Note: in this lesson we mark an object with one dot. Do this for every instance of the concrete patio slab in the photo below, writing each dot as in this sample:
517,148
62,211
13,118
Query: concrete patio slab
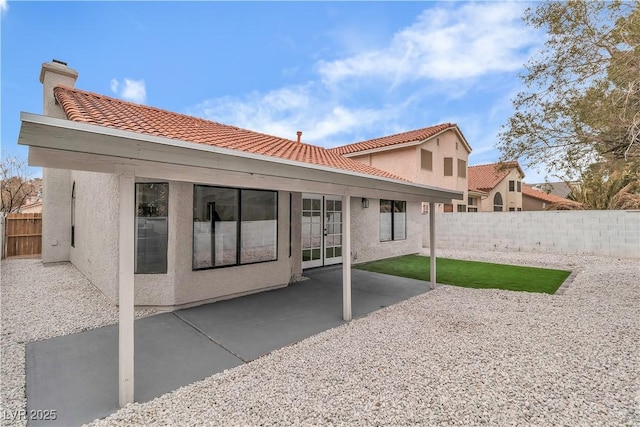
257,324
77,375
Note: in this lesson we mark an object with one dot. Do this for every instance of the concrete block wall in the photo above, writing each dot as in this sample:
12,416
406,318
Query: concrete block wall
610,233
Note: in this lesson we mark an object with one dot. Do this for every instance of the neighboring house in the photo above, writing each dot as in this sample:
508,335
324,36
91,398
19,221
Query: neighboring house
560,189
536,200
435,156
218,211
35,207
496,187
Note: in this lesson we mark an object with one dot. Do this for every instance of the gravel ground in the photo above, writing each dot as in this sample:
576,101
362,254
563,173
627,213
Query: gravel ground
39,302
453,356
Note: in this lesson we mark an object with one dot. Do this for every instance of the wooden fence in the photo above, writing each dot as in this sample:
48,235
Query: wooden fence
23,234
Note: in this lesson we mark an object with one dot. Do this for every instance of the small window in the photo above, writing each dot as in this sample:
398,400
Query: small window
512,209
152,212
425,208
471,201
448,166
497,203
512,186
519,209
462,208
462,169
393,220
519,187
470,209
426,160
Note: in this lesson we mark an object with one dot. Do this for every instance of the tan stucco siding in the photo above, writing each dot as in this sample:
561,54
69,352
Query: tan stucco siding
531,204
406,163
510,199
403,162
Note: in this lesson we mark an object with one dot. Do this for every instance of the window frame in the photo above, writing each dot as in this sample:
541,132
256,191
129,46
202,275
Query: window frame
238,262
519,186
424,153
393,222
444,169
498,194
462,168
166,265
512,186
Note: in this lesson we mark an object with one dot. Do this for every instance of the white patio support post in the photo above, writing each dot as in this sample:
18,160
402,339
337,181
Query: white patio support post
125,285
346,258
432,243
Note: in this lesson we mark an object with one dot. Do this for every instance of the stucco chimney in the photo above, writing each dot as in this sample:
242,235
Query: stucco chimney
52,74
299,133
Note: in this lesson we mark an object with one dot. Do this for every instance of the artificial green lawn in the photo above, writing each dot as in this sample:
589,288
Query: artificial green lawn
471,274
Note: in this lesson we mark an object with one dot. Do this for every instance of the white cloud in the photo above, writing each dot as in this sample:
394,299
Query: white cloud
444,43
447,51
284,111
130,90
4,6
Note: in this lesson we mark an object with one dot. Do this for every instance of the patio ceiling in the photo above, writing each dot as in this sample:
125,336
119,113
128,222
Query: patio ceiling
64,144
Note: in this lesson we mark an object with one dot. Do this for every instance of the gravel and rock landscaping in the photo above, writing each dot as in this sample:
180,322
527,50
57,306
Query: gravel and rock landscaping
453,356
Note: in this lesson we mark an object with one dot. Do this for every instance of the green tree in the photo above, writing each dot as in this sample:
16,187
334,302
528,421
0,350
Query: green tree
582,99
609,185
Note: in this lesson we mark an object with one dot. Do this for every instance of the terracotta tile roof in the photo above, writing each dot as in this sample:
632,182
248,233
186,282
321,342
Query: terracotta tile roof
486,177
88,107
400,138
528,190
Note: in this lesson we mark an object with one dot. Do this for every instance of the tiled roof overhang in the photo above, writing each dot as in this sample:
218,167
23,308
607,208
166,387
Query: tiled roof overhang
60,143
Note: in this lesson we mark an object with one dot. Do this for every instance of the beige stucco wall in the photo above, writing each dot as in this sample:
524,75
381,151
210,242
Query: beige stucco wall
365,232
96,250
510,199
56,215
531,204
406,163
402,162
56,192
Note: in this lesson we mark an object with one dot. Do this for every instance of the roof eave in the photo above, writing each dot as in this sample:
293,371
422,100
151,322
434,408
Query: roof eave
64,135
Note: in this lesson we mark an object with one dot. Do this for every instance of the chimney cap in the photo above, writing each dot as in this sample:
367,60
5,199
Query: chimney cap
57,67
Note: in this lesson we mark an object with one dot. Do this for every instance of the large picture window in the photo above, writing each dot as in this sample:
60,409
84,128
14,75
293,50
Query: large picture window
393,220
233,226
152,211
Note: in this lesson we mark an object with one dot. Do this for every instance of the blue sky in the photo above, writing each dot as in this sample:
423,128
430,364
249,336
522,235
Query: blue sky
339,72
